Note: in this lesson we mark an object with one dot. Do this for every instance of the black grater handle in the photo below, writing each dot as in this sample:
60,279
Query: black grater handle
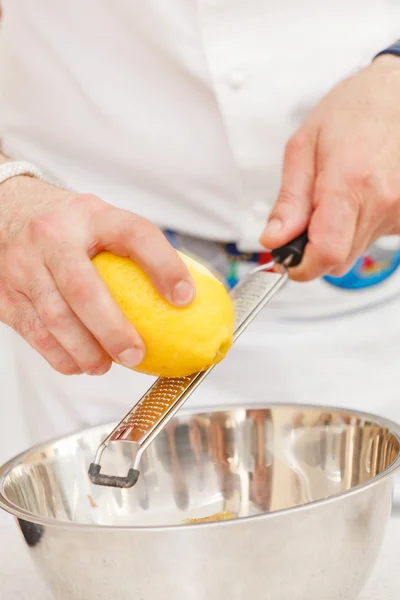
295,248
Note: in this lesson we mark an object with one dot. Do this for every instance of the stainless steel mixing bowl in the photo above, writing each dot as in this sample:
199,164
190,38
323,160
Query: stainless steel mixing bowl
312,488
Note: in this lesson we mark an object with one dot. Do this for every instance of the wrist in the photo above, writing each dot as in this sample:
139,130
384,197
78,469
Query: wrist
12,173
21,196
386,63
18,182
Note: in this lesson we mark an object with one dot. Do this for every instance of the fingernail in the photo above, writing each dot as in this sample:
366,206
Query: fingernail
273,226
132,357
100,370
183,293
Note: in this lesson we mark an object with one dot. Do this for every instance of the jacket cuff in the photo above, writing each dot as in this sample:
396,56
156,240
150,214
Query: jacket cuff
394,49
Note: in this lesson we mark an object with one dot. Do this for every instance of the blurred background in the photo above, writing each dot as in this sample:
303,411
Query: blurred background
12,431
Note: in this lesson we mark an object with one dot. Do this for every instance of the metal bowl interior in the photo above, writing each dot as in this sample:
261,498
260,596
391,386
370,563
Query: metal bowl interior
249,461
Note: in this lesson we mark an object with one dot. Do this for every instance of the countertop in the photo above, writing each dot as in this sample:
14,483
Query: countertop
19,580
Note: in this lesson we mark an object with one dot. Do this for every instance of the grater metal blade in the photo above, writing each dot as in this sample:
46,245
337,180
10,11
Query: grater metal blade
165,397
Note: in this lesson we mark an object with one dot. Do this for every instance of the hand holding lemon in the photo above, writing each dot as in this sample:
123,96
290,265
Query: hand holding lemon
53,297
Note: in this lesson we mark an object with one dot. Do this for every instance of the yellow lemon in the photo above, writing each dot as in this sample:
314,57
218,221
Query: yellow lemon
179,341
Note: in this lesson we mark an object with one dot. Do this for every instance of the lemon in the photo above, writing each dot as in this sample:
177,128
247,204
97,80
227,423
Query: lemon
179,341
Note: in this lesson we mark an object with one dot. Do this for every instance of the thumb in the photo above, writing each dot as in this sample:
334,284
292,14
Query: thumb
291,213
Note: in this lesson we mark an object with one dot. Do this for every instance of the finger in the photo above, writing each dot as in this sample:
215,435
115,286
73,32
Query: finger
86,293
371,222
365,239
19,313
127,234
331,231
291,213
358,249
64,325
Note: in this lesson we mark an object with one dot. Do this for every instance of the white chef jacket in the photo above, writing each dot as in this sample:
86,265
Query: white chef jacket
180,111
177,110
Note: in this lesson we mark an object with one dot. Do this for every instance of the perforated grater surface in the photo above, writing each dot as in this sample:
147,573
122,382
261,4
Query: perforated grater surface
165,397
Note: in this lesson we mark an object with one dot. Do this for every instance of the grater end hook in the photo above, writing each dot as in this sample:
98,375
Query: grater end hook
111,480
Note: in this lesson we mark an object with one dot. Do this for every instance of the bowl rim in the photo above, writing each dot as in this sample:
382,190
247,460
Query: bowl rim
25,515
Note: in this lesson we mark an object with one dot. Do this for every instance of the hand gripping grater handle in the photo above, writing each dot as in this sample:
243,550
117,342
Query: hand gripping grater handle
166,396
